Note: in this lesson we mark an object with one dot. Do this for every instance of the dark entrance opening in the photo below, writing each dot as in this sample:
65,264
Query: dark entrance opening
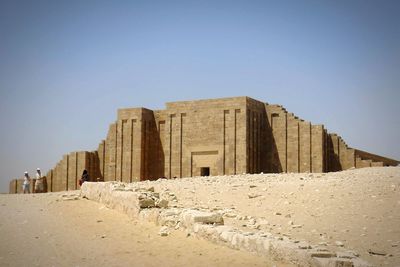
205,171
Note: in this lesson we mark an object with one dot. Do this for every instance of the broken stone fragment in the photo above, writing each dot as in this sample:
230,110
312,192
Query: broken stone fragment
196,216
230,215
347,254
164,231
253,195
252,221
339,243
257,226
304,247
150,189
118,186
377,252
146,202
161,203
70,197
333,262
323,254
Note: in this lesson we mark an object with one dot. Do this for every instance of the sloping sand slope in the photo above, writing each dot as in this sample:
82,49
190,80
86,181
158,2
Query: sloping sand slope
44,230
356,211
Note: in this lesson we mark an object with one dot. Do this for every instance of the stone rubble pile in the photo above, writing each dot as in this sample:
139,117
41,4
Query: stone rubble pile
144,203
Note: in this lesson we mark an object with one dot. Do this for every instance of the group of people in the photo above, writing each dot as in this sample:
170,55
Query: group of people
39,185
39,181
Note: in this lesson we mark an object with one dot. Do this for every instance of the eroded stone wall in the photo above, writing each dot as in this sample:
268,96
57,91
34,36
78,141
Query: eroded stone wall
208,137
67,172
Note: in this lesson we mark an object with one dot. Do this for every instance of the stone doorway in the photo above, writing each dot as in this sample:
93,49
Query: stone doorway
205,171
204,163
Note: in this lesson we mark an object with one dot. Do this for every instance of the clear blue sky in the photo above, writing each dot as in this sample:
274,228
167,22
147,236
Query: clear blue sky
66,66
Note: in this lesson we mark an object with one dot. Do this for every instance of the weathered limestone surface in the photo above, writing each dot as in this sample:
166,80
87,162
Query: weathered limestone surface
209,137
317,148
117,196
13,186
305,146
49,180
141,203
68,171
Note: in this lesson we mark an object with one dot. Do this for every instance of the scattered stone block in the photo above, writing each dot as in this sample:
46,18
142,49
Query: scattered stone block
194,216
339,243
164,231
253,195
377,252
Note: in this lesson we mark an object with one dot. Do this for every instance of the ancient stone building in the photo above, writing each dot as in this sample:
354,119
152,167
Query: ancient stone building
208,137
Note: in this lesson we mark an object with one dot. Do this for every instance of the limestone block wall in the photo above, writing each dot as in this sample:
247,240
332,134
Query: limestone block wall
342,157
19,186
305,146
101,153
333,152
159,142
317,148
377,164
347,155
363,163
277,120
256,136
110,154
130,141
375,159
207,134
13,186
49,179
151,145
294,145
69,169
293,149
72,171
56,179
208,137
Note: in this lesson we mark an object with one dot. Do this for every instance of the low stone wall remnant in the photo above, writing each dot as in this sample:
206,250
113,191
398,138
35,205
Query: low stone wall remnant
143,203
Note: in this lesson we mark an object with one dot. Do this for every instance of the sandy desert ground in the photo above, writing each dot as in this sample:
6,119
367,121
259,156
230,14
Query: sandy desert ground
356,210
44,230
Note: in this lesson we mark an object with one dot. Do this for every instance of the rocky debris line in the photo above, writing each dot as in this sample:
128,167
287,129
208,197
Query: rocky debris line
145,204
70,196
123,197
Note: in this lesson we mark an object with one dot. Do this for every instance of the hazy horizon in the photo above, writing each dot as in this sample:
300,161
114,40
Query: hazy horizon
67,66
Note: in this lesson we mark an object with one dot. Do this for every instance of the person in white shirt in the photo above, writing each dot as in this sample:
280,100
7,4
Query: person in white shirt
27,183
38,182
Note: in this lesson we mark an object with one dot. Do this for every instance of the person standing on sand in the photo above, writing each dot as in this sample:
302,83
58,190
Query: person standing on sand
85,177
27,183
38,182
